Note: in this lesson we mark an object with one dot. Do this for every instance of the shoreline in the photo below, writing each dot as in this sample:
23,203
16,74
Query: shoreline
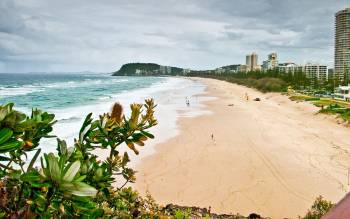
170,100
264,153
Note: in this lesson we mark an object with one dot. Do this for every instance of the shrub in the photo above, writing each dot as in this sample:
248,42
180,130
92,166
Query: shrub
73,183
271,84
319,208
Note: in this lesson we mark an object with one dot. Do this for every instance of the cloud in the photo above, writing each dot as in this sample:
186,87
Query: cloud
47,35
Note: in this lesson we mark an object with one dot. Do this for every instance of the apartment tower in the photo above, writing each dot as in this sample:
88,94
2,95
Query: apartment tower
342,44
252,62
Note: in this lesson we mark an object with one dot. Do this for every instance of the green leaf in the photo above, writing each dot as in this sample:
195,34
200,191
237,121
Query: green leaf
10,146
84,189
54,169
147,134
62,147
78,189
5,134
41,184
72,171
5,110
80,178
84,129
30,177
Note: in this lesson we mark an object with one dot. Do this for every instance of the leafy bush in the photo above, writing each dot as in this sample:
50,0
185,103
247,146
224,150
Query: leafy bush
319,208
180,214
266,84
270,85
73,183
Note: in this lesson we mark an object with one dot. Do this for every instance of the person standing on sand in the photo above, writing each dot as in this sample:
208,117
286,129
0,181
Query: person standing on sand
246,96
187,101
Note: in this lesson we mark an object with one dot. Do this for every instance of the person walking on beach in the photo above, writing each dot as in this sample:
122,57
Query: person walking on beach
187,101
246,96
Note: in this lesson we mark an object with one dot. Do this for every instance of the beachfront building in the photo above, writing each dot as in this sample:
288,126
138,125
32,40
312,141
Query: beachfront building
228,69
233,68
219,70
271,62
330,73
242,68
289,67
252,62
316,71
165,69
186,71
162,69
342,44
138,72
342,93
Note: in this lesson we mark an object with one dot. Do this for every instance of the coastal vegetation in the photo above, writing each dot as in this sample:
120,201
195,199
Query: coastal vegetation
330,106
73,182
319,208
267,84
271,80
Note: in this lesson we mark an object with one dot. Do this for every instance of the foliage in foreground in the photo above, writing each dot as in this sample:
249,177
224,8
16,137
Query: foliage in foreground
73,183
319,208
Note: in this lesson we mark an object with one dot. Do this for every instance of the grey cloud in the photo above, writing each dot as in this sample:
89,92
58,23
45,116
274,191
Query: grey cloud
66,35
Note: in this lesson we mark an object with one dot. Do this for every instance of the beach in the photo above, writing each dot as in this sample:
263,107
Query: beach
272,157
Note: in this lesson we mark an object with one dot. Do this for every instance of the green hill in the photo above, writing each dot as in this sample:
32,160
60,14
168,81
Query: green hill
131,69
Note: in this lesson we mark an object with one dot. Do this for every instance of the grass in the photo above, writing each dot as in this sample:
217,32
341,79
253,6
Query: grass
329,106
298,98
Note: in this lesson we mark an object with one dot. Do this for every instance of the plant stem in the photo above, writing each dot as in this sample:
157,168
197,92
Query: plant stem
6,167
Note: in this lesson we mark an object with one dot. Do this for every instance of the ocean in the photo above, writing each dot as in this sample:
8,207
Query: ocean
71,96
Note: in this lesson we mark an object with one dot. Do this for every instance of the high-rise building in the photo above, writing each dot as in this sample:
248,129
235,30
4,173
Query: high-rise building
248,62
316,71
271,62
252,62
342,44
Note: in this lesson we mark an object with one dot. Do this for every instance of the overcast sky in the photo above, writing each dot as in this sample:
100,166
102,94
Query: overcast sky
101,35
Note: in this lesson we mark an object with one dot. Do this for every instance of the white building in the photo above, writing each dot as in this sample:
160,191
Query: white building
162,69
186,71
219,70
168,70
316,71
138,72
342,93
289,67
165,69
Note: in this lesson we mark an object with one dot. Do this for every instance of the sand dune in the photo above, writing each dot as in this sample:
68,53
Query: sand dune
272,157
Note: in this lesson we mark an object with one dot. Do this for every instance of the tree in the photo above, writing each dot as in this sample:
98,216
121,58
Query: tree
319,208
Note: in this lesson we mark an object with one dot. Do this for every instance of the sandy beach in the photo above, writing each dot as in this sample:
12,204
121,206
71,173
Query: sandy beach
272,157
